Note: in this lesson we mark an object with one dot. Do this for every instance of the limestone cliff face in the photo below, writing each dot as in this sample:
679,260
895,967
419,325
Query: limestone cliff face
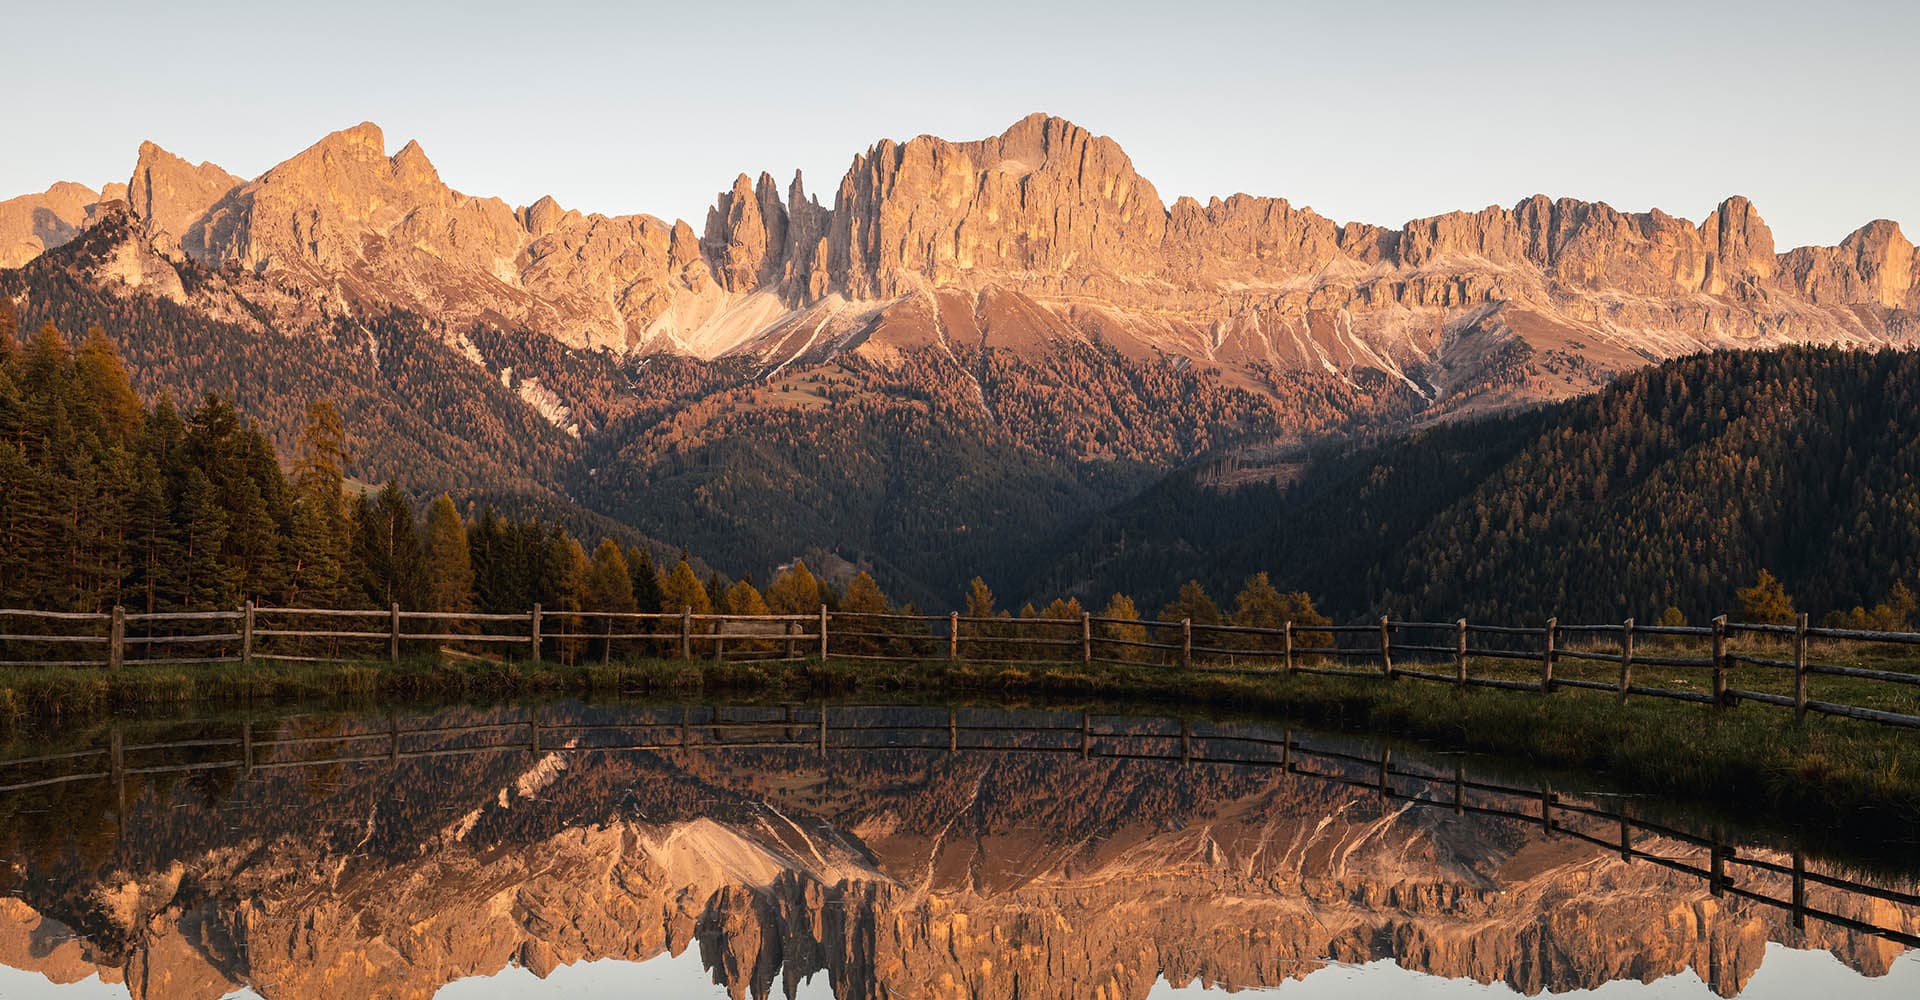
35,223
1046,230
170,194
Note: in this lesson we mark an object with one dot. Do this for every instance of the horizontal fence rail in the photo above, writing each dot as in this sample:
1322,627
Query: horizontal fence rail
1726,868
1875,676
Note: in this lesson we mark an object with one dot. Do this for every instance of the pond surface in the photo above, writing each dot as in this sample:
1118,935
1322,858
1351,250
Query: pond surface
883,851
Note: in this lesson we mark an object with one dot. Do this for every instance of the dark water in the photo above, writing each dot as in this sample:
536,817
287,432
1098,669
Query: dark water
575,850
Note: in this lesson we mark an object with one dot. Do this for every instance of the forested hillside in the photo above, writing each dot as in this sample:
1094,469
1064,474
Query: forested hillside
109,500
1675,486
930,465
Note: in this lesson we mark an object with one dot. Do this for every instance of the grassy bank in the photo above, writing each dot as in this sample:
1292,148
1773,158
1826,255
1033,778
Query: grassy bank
1831,771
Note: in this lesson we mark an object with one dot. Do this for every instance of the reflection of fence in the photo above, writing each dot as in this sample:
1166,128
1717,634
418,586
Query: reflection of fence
825,730
1455,653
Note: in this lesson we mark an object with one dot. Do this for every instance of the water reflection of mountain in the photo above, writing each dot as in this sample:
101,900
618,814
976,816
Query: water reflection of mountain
1089,871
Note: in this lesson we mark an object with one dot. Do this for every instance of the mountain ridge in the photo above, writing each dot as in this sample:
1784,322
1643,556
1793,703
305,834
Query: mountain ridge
1044,232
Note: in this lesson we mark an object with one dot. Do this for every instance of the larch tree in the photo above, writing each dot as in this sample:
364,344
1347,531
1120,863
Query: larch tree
681,590
1765,602
795,592
864,596
449,561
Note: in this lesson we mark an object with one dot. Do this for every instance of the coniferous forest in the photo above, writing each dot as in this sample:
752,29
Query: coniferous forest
1666,495
1674,488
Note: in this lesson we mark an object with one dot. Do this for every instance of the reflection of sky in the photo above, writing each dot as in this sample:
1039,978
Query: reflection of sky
1785,974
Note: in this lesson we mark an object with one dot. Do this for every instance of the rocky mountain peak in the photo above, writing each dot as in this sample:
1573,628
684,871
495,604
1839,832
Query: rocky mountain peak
169,194
1048,227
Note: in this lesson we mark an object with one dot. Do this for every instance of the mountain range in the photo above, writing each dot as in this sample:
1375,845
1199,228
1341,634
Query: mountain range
1024,312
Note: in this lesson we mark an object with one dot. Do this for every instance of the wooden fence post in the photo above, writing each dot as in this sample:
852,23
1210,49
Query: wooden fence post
1546,659
246,633
1286,645
1186,643
1459,789
1086,735
1626,659
606,645
535,618
823,729
1460,652
1800,669
117,639
1086,638
393,632
953,731
686,631
1386,649
1386,763
246,746
1720,662
953,635
823,633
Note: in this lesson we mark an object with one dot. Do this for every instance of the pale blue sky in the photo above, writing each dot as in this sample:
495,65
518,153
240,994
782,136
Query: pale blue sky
1372,111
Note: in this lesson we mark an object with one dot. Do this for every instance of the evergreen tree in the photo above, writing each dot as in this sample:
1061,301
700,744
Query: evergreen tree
204,580
646,580
389,562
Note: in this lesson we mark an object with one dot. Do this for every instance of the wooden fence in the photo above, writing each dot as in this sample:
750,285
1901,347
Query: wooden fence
824,729
1727,657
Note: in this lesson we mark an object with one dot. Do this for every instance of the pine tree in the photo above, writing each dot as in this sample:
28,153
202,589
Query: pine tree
389,563
646,580
204,581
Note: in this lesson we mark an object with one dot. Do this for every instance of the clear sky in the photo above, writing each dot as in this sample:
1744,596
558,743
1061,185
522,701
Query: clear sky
1377,111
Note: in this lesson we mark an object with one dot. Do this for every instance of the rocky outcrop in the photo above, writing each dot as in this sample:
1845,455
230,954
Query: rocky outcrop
169,194
35,223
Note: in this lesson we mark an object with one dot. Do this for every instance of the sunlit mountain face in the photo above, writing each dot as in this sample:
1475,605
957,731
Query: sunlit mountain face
880,852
